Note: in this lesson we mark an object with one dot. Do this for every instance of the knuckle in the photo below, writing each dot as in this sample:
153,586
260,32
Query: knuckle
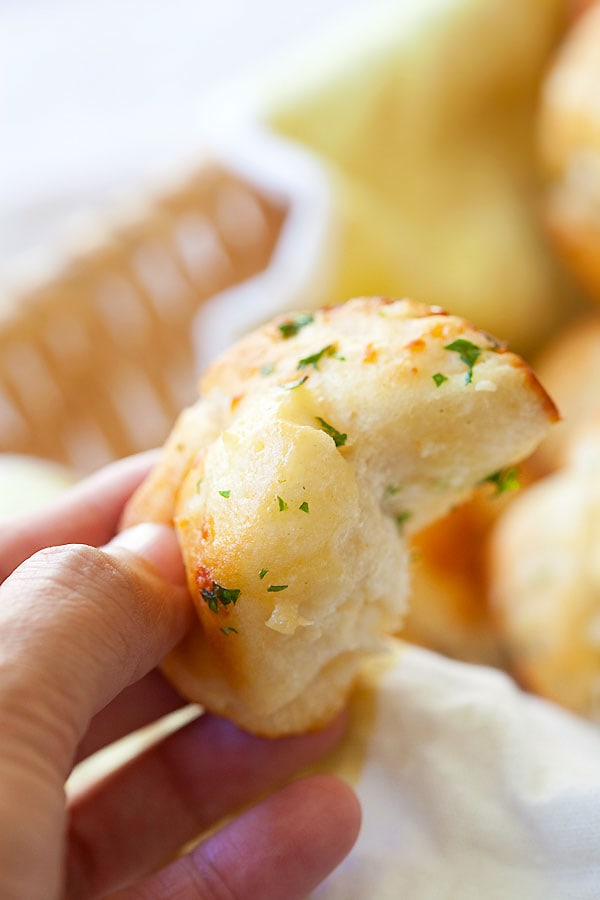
85,588
68,569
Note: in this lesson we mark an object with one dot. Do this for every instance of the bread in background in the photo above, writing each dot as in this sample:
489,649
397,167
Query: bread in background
570,149
429,134
569,369
545,580
448,606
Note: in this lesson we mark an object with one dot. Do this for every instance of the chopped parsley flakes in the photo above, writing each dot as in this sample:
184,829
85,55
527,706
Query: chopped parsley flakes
219,594
294,384
291,327
504,480
469,354
262,573
402,518
439,378
315,358
228,630
338,438
225,494
275,588
282,504
304,507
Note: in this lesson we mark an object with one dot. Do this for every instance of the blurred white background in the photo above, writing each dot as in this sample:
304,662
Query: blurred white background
99,97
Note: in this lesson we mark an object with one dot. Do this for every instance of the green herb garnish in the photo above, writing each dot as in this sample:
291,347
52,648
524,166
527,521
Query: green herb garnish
294,384
402,518
228,630
315,358
225,494
468,352
304,507
439,378
219,594
282,504
198,483
262,573
504,480
391,490
338,438
275,588
291,327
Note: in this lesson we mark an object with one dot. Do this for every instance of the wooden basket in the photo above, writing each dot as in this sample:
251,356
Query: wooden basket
96,361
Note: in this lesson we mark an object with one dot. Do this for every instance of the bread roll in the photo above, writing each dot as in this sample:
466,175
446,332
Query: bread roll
545,581
569,369
448,608
570,147
321,443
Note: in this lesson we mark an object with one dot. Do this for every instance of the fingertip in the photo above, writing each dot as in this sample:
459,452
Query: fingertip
288,844
316,820
337,801
156,544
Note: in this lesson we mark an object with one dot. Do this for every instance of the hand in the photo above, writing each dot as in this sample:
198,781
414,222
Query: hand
81,632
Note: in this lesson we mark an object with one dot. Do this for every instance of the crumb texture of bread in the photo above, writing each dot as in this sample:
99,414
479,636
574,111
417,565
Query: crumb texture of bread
320,444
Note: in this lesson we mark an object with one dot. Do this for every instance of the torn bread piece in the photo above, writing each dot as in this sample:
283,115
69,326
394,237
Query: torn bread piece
321,443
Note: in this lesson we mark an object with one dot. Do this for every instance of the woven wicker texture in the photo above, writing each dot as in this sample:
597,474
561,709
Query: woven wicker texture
97,362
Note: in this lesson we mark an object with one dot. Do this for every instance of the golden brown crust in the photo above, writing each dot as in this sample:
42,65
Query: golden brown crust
447,608
322,441
448,605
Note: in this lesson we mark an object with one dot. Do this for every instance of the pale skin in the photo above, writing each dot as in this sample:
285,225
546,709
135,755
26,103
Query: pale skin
84,620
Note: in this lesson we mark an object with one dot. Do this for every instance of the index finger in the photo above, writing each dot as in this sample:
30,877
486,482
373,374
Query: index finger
80,624
86,514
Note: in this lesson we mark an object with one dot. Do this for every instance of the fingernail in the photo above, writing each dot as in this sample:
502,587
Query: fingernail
155,543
